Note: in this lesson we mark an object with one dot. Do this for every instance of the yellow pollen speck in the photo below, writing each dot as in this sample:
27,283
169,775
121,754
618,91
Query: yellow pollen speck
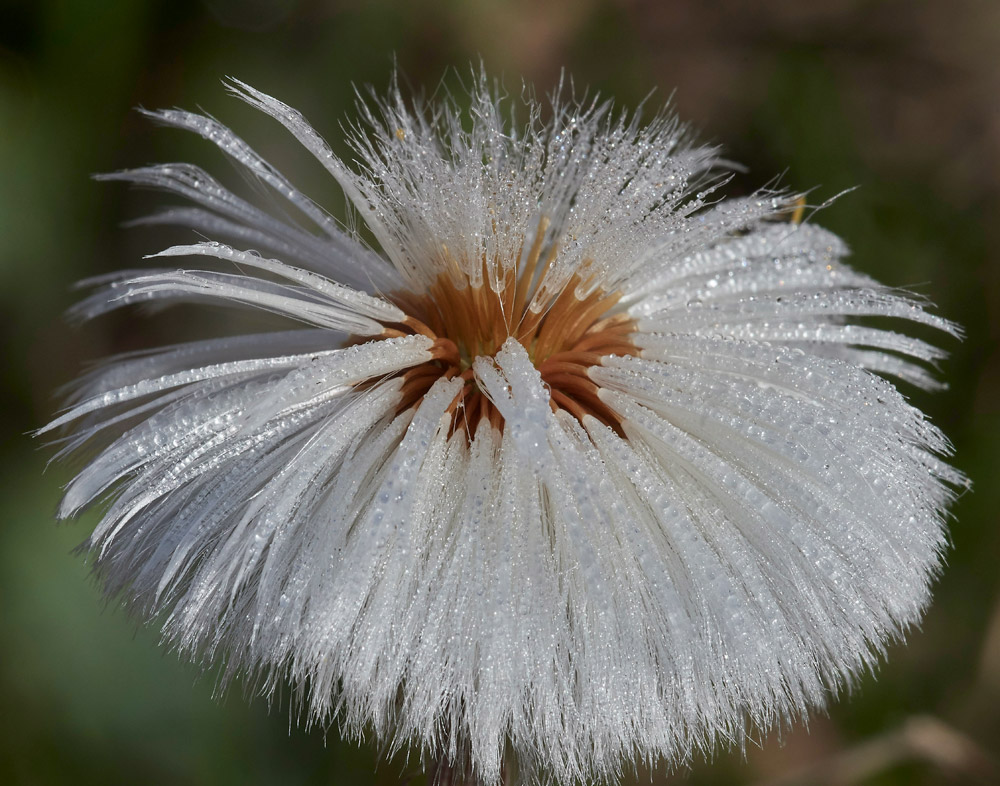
400,134
800,209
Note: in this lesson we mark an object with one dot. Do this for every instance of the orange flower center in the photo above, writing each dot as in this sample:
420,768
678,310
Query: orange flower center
563,339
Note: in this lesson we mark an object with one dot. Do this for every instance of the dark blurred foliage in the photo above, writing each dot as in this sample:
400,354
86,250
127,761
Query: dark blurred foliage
897,98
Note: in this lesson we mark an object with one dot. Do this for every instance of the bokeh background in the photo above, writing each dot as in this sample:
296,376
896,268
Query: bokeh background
898,98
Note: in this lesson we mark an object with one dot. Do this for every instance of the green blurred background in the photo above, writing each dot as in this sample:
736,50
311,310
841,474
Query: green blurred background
899,98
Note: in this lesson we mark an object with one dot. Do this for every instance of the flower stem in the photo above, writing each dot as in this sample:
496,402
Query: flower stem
443,773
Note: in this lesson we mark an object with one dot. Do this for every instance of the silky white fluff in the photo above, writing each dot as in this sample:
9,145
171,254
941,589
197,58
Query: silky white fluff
552,595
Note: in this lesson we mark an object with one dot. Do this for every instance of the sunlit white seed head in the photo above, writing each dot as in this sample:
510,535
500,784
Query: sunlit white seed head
575,464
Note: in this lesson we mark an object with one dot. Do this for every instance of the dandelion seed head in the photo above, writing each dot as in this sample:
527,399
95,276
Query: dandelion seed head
572,463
